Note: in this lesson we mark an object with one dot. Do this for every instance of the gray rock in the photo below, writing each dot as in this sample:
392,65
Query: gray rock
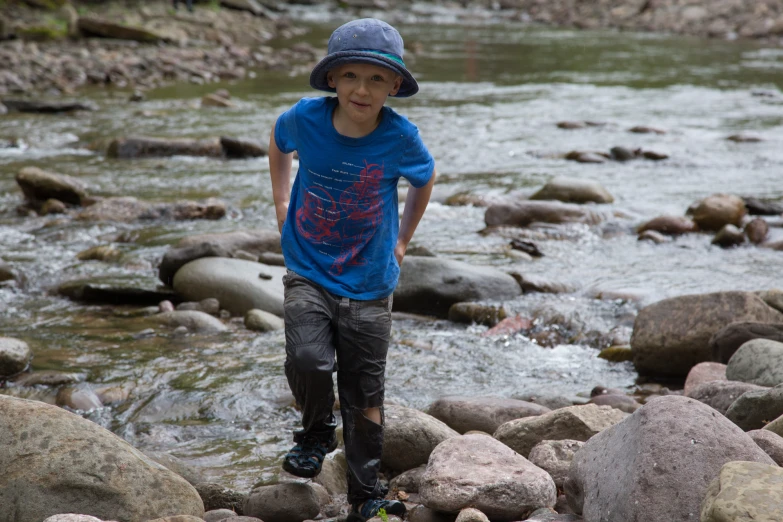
15,356
656,464
261,321
216,515
704,372
47,378
128,209
239,285
218,497
525,213
235,148
178,466
430,285
333,474
744,492
91,26
471,515
654,237
481,413
421,513
762,207
759,361
193,320
286,502
176,258
52,458
81,397
721,394
573,422
671,336
729,236
620,402
146,147
120,289
410,436
468,313
256,242
669,225
716,211
756,231
48,107
478,471
773,298
726,341
573,190
554,457
770,442
72,517
754,409
39,185
408,481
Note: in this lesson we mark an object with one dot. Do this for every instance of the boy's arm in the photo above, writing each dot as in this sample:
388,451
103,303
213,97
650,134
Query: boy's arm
280,172
415,205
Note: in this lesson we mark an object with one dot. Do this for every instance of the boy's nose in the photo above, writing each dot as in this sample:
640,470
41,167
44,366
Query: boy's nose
362,88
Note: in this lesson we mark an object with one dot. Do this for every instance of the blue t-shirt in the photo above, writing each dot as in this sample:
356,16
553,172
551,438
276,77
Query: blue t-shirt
342,222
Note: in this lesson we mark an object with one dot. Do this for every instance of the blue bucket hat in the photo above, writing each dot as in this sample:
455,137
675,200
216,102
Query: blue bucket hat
367,40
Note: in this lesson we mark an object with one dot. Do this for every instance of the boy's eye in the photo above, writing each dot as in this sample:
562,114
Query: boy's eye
377,78
350,75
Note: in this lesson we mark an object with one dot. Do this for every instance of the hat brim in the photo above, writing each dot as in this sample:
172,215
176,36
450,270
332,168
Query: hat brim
319,81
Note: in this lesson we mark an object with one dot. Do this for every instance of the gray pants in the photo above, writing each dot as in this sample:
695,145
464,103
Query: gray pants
325,332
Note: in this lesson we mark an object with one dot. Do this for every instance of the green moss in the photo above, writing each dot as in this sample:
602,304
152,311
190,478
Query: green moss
41,33
617,354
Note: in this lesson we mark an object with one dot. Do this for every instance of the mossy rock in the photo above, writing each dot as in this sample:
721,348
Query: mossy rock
616,354
46,4
41,33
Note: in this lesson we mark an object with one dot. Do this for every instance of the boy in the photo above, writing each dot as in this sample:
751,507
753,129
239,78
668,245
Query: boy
343,244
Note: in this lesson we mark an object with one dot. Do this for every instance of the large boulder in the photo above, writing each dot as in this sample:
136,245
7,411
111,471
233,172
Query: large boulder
656,465
285,502
39,185
128,209
759,361
478,471
239,285
481,413
744,492
254,242
573,423
57,462
430,285
728,339
573,190
524,213
721,394
671,336
410,436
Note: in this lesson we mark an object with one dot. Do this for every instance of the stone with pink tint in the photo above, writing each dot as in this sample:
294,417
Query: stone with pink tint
704,372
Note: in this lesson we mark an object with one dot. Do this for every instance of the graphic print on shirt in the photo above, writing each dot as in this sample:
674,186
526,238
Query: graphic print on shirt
343,227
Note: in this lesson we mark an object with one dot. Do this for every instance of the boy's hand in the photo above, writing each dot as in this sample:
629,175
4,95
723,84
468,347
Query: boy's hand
399,251
281,210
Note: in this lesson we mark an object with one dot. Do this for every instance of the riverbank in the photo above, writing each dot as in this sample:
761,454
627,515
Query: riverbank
111,44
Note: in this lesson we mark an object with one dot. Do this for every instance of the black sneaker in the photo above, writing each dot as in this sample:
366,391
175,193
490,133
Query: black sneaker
305,459
371,507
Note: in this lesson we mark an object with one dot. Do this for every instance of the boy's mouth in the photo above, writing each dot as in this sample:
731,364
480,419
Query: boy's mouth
360,105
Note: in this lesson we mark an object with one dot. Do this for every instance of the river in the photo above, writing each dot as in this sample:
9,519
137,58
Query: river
491,95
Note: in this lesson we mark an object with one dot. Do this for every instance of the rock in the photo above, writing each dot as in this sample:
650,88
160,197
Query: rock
670,225
39,185
485,414
770,442
616,354
654,237
217,497
234,148
216,515
617,401
271,258
554,457
51,458
478,471
525,213
554,517
251,6
233,282
729,236
430,285
755,409
532,283
745,137
721,394
744,492
131,290
8,273
261,321
53,206
210,306
671,336
176,258
71,517
571,125
47,107
410,436
758,361
656,464
193,320
761,207
469,313
286,502
408,481
757,231
421,513
147,147
509,326
704,372
15,356
81,398
581,156
214,100
99,253
573,190
334,473
622,154
573,422
773,298
726,341
643,129
178,518
127,209
527,247
253,241
471,515
716,211
181,468
654,156
96,27
47,378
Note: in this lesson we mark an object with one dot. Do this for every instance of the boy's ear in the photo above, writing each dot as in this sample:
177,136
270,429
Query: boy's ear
397,85
330,80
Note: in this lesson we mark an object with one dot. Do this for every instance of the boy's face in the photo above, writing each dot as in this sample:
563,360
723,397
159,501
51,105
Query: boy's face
362,90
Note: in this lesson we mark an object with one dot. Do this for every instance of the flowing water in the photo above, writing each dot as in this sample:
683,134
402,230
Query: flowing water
491,96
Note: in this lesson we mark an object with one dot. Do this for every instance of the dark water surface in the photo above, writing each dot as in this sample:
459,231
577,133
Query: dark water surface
491,95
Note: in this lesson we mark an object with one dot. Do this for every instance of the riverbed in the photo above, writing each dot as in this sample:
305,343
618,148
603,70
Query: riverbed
491,97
